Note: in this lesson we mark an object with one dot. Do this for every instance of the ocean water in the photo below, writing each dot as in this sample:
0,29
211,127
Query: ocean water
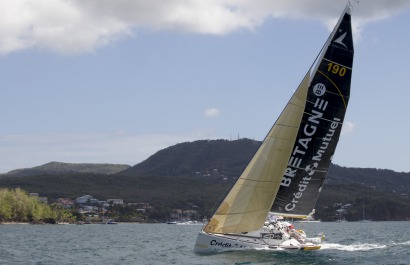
346,243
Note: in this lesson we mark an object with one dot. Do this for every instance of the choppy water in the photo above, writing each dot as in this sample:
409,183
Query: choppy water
347,243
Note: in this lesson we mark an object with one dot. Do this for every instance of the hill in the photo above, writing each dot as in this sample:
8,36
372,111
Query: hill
199,157
384,194
60,168
199,173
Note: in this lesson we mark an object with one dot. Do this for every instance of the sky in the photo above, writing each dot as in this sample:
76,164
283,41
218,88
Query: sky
102,81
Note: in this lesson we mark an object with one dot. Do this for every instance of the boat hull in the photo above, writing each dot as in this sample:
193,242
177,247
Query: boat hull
214,243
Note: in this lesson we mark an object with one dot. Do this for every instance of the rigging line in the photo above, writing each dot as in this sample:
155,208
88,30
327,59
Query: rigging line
220,200
341,95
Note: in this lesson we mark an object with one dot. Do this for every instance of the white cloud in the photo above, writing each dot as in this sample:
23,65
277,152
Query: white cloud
29,150
348,128
77,26
212,112
58,25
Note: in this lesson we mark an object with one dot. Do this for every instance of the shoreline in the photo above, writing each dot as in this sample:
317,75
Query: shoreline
14,223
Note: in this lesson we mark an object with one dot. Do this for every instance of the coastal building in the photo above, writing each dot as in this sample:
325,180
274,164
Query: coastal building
184,215
83,199
115,201
140,205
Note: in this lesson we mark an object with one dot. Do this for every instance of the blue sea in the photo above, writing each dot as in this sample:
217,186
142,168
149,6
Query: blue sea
346,243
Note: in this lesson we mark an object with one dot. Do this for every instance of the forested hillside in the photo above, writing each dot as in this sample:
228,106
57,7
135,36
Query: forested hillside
198,174
58,168
190,158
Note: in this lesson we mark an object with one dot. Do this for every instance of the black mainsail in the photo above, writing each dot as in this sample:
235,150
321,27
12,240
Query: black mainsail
326,102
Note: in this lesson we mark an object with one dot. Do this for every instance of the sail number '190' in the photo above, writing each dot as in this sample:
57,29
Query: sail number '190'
336,69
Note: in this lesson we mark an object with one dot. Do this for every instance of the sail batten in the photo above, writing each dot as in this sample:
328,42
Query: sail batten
330,61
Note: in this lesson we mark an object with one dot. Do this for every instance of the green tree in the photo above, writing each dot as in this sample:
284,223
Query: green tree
18,206
5,205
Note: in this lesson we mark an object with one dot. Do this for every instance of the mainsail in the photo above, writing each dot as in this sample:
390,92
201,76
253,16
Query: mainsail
321,124
292,161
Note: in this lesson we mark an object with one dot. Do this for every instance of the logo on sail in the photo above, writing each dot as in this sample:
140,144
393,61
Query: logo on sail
319,89
340,39
310,169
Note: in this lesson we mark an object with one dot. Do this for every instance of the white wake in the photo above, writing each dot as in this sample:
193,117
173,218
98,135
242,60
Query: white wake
353,247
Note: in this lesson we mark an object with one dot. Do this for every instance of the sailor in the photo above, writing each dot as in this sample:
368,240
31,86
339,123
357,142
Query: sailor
294,233
272,227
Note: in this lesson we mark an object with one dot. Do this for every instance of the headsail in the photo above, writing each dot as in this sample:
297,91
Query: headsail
319,131
299,146
247,205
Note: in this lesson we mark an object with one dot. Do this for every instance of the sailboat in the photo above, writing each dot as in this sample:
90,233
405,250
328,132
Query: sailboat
285,176
363,219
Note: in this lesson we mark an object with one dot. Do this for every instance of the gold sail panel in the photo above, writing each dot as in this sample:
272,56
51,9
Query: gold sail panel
247,205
